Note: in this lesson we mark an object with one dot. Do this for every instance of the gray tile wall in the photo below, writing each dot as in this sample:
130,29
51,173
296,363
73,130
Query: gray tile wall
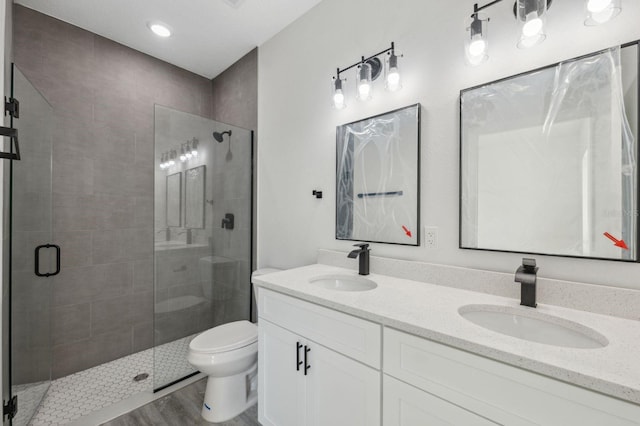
235,101
103,96
235,93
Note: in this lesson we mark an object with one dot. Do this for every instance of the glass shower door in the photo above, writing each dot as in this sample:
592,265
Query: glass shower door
203,233
31,227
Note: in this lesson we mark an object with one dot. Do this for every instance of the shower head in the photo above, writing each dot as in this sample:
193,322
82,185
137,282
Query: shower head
219,136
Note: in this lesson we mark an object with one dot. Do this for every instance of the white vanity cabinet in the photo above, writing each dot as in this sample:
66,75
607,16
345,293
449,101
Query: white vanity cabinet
316,366
426,378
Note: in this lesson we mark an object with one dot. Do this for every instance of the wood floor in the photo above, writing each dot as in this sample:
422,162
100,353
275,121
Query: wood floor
180,408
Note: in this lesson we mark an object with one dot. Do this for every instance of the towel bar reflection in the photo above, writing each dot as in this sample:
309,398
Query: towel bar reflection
379,194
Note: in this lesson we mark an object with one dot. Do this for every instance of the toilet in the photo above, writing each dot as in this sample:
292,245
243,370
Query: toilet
228,354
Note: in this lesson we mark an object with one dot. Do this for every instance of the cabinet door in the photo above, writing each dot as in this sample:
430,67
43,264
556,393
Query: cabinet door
340,391
281,388
405,405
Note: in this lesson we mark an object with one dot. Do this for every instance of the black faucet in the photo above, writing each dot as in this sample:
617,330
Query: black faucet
189,235
526,276
363,252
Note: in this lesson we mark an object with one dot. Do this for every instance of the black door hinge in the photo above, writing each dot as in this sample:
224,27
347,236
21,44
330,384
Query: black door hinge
10,408
12,107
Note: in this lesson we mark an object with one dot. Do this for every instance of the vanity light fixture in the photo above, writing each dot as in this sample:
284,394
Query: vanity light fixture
338,94
187,150
183,155
531,18
392,75
167,159
367,71
476,43
194,147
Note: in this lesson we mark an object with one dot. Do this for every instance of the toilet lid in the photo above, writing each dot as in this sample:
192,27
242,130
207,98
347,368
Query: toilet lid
225,337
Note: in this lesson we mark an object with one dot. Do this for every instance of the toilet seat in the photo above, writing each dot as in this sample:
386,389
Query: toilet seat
226,337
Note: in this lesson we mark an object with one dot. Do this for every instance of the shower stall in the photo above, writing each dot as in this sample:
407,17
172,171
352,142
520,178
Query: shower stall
145,263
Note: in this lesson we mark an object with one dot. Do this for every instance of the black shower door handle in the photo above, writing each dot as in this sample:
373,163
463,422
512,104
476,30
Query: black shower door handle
13,134
37,261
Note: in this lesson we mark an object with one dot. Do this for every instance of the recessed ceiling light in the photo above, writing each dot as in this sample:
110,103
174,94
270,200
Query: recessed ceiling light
159,29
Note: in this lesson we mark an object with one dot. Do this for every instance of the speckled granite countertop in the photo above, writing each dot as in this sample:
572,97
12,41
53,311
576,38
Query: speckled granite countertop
431,311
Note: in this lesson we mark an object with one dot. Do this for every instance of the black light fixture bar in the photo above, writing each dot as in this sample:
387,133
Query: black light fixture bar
477,9
390,49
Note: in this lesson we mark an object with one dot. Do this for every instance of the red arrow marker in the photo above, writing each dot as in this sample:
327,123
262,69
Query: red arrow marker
406,231
616,242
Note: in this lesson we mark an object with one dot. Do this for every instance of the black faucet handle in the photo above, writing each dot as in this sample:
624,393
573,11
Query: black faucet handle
363,246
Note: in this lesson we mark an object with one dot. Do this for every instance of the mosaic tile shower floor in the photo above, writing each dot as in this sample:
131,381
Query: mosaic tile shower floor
79,394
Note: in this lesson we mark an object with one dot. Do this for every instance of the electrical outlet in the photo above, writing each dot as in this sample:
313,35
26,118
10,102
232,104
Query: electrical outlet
431,237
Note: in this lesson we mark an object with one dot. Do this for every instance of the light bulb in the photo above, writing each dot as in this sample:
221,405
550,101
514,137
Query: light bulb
363,78
188,155
338,99
597,6
162,165
364,89
533,26
194,152
183,157
171,163
477,47
393,79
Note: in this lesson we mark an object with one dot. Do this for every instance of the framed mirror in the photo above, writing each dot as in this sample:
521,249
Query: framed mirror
174,199
548,160
378,178
194,193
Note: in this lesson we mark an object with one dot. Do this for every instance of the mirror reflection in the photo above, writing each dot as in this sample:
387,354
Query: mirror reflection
548,160
194,197
377,178
174,199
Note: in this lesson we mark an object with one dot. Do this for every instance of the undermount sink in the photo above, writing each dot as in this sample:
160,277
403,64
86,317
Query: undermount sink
169,244
344,283
534,326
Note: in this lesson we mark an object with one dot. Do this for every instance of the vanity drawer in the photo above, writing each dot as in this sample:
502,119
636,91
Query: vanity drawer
346,334
500,392
405,405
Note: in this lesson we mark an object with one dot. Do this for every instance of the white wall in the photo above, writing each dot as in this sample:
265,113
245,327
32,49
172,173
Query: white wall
297,125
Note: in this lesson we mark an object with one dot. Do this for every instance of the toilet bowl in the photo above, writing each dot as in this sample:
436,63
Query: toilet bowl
228,354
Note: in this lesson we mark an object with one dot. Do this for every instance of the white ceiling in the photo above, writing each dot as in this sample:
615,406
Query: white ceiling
208,35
